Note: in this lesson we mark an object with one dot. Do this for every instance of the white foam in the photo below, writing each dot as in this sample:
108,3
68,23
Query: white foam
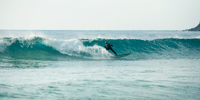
3,45
197,37
96,51
75,47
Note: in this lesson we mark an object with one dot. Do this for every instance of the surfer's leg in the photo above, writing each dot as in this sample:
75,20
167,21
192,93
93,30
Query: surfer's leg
113,51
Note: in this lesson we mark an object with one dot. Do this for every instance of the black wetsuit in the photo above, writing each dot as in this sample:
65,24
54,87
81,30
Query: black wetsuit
109,47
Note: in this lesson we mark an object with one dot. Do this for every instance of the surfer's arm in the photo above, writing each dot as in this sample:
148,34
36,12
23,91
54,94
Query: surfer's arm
112,45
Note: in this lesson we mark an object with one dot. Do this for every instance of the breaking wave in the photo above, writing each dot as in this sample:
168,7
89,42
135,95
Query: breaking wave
40,48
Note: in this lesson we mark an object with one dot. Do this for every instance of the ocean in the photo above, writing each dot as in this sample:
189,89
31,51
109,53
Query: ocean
74,65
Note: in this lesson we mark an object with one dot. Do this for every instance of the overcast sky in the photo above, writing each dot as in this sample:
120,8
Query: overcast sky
99,14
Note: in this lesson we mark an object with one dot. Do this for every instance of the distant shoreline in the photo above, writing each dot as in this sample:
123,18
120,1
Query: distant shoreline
197,28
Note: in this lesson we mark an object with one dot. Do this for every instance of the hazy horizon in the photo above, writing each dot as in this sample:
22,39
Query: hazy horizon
99,14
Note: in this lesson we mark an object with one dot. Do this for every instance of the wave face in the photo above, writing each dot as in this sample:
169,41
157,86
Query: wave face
39,48
159,48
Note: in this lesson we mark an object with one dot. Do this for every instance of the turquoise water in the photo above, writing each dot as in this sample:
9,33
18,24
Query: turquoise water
74,65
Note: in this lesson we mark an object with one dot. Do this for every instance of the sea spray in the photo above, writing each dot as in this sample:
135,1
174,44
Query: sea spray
75,47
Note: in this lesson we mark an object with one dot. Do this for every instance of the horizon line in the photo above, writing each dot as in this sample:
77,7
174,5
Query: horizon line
86,30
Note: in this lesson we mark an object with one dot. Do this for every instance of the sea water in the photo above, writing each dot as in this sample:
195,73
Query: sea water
73,64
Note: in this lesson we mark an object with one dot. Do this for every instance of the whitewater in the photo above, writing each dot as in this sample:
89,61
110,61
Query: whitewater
73,64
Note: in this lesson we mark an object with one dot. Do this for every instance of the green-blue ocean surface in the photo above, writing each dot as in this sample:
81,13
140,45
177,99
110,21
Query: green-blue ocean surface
70,64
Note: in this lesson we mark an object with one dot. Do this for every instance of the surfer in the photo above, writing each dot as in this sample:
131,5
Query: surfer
109,47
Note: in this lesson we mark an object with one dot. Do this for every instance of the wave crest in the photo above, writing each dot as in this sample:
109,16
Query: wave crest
41,48
52,49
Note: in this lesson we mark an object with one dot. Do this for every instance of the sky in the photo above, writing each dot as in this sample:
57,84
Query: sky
99,14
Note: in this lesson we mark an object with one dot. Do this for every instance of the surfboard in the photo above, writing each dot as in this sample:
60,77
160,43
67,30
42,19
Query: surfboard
121,55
